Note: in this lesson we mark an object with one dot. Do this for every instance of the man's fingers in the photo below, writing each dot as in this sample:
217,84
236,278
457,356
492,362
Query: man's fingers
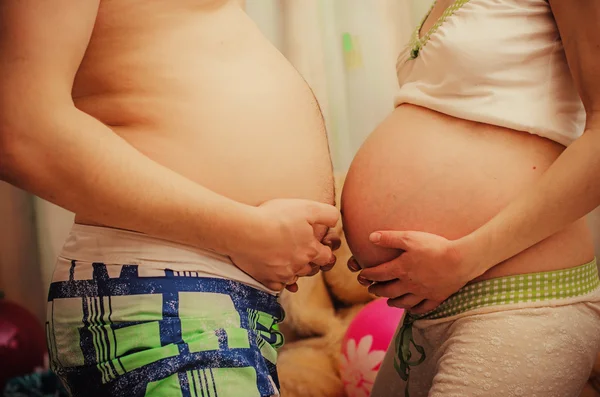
330,265
314,269
323,214
290,285
324,256
332,239
392,239
275,286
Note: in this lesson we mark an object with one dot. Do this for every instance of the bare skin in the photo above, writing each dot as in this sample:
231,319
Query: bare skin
177,119
468,201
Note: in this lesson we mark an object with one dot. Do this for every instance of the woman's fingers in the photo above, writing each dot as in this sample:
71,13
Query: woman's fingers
392,239
425,306
406,301
388,289
385,272
353,265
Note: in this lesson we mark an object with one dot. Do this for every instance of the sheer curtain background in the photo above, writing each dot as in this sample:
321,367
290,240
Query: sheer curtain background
345,49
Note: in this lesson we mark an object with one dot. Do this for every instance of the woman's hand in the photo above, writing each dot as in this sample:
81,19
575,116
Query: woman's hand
428,271
281,246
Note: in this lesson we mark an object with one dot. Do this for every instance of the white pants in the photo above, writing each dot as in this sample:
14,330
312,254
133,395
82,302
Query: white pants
540,349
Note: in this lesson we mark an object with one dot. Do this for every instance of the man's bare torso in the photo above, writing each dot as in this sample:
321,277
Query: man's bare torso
195,86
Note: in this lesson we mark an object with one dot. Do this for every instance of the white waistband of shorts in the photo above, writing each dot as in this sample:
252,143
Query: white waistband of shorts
116,246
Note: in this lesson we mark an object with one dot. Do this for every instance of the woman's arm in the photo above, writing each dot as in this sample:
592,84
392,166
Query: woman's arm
50,148
566,192
570,188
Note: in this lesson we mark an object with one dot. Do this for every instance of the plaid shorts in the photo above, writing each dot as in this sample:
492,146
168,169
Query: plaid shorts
172,335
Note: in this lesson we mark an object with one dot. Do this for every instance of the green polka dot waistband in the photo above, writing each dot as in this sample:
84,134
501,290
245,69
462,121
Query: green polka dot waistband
522,288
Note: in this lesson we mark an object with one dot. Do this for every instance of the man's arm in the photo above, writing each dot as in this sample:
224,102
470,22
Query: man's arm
50,148
61,154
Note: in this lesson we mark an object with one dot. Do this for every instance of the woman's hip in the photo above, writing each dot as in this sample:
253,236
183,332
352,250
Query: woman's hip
566,249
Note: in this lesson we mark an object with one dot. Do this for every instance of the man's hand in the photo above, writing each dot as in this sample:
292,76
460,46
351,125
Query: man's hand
333,240
283,247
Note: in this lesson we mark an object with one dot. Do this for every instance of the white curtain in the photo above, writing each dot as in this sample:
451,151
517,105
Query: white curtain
20,277
346,51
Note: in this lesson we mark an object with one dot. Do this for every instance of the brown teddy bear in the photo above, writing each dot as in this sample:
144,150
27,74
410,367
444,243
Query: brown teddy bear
317,318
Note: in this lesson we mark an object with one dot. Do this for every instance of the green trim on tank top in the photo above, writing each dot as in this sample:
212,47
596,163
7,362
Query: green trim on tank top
417,43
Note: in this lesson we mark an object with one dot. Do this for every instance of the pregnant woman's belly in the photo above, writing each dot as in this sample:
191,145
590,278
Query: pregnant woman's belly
424,171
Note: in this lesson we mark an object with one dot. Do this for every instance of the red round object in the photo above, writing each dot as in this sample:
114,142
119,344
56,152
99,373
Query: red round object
22,342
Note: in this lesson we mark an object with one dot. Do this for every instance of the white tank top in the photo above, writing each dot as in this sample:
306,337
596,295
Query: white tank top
499,62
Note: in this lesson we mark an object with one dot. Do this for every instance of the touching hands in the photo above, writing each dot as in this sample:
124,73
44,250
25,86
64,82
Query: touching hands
283,246
428,271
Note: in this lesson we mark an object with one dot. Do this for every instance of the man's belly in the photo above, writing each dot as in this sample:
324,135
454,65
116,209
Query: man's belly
201,91
424,171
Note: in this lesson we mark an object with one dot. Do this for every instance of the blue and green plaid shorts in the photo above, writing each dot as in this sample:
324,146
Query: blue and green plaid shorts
176,335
